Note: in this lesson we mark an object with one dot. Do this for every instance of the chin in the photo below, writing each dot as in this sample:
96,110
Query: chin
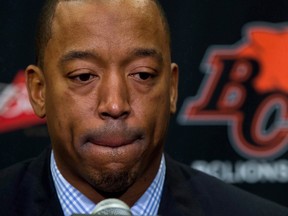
113,183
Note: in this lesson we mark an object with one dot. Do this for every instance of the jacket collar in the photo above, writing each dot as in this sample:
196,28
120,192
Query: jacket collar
177,197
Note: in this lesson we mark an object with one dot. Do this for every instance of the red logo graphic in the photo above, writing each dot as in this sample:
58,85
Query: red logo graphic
246,88
15,109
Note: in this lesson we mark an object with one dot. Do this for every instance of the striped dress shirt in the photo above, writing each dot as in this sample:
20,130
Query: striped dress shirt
73,201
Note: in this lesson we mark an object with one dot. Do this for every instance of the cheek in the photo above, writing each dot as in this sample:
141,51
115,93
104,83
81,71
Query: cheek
153,110
62,111
66,119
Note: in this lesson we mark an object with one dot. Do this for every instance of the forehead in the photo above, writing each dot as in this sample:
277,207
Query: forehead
108,24
144,12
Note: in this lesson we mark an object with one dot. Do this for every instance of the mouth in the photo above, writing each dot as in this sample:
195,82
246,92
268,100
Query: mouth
113,142
113,137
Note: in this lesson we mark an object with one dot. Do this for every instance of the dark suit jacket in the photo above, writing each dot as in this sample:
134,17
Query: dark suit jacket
27,189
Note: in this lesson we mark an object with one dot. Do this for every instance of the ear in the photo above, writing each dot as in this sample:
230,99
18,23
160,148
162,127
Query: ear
174,87
35,83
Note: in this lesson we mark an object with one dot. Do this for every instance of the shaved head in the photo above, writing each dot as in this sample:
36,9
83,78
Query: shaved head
44,29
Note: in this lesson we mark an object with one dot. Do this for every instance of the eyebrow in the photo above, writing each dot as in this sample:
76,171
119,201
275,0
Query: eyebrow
75,54
134,53
146,52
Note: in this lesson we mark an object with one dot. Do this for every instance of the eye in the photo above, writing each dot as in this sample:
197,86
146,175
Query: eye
142,76
83,77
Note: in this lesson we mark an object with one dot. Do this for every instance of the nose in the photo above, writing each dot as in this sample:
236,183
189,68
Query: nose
114,97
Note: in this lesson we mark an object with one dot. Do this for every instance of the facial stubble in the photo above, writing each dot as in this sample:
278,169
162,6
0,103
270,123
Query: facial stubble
112,183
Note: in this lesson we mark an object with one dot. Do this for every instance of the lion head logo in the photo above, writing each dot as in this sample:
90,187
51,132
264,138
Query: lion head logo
246,88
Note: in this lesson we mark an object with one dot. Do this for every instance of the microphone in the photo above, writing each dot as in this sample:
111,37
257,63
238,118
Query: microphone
110,207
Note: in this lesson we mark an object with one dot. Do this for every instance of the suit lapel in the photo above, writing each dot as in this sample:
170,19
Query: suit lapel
37,194
177,197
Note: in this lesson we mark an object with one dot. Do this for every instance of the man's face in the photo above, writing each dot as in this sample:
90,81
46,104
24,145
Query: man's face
108,91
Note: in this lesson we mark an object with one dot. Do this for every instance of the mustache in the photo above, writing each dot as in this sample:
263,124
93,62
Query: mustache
113,133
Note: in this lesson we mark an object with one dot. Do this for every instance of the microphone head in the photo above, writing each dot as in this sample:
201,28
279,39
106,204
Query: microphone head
112,207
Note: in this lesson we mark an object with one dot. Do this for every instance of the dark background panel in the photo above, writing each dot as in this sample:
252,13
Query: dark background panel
195,27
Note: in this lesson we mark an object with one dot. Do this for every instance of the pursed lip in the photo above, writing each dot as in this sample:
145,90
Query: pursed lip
113,142
113,136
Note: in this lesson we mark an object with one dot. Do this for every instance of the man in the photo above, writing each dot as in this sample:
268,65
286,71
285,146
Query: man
106,85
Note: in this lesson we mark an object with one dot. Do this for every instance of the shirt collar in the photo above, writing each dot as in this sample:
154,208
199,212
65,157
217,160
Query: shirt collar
73,201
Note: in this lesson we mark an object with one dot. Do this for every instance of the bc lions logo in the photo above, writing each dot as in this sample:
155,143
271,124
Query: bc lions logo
246,88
